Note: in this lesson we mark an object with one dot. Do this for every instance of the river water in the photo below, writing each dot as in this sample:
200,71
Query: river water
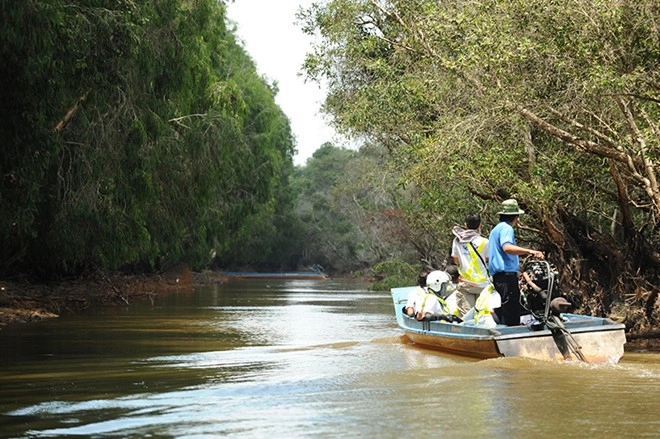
296,359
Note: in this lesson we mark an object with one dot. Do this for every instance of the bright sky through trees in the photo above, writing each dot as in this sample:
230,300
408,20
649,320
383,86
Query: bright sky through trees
278,46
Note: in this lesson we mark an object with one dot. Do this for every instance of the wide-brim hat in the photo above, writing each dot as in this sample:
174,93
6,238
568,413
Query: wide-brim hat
510,207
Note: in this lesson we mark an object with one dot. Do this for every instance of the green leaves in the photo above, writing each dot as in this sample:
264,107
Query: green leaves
552,102
167,137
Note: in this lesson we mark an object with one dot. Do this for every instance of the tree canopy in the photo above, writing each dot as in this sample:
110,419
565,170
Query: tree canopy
555,103
133,132
352,210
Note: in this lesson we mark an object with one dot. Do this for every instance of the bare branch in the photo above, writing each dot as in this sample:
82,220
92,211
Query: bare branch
582,144
178,120
606,139
650,181
72,111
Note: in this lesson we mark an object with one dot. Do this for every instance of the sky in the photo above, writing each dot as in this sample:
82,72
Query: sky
278,46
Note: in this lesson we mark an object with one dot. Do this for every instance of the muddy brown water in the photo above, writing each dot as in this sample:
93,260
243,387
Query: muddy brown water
296,359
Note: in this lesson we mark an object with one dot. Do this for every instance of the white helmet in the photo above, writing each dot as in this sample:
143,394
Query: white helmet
437,280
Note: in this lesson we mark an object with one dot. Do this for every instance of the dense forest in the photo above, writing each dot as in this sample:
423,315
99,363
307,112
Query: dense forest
555,103
138,135
135,134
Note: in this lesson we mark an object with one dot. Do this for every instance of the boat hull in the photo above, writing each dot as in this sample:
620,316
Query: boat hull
600,340
598,344
486,348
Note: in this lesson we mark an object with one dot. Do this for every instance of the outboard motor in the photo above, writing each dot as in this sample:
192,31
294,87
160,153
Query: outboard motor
539,293
537,278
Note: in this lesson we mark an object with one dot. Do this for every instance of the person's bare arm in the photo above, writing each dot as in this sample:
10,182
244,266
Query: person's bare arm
521,251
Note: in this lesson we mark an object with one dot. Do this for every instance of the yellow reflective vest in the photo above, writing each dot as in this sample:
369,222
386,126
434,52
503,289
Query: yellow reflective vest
476,272
442,306
481,306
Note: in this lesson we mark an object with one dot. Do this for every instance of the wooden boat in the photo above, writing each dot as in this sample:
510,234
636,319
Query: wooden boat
591,339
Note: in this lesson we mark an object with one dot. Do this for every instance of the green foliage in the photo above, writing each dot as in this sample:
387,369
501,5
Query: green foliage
350,207
551,102
393,274
132,133
328,235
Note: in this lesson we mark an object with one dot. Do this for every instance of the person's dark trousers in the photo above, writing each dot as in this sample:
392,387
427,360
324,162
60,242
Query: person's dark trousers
507,285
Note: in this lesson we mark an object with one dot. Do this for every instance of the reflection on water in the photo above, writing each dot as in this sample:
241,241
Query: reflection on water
296,358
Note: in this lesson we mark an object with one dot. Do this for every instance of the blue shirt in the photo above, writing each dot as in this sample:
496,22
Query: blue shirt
498,260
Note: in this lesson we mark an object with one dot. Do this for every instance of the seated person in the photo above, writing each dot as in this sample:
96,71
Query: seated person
416,296
457,300
483,313
438,304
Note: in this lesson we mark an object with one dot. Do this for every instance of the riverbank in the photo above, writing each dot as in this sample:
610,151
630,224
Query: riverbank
22,301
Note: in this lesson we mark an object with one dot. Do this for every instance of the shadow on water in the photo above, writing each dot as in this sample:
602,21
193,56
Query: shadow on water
296,358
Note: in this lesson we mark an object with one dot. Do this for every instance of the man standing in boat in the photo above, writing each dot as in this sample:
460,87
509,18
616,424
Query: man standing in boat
469,251
503,263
